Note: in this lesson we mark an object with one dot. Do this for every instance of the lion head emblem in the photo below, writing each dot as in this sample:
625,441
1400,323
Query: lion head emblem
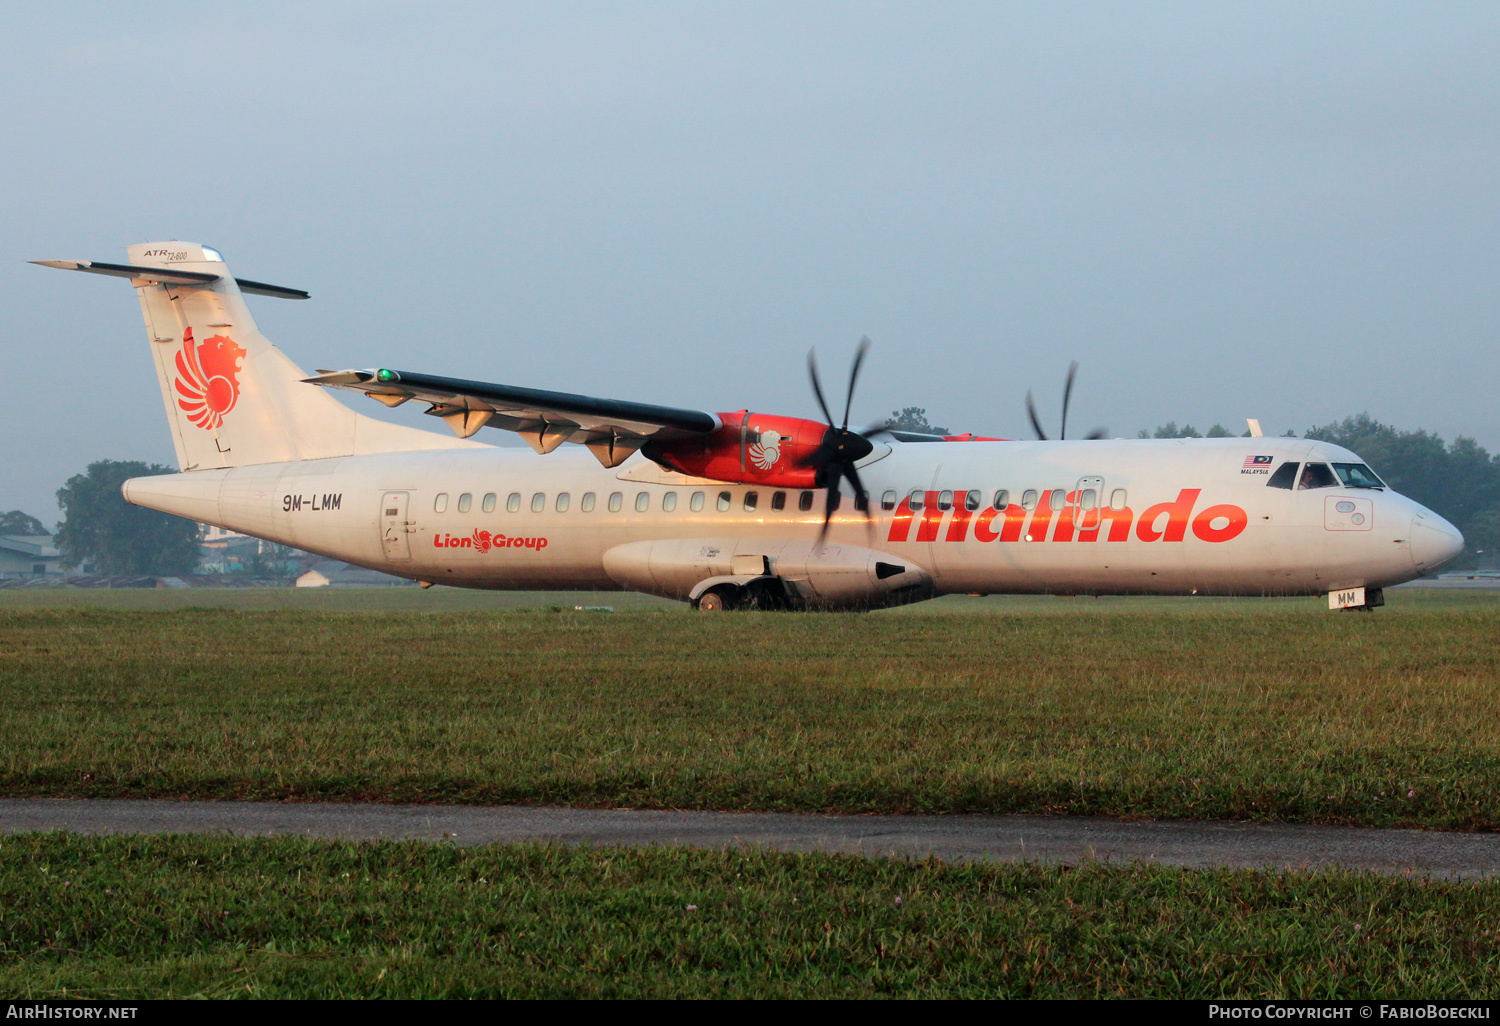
208,378
767,451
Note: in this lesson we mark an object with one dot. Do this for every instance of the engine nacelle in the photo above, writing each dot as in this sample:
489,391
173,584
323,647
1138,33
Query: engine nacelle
751,448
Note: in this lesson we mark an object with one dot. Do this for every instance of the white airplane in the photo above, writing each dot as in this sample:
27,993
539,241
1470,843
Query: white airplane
737,509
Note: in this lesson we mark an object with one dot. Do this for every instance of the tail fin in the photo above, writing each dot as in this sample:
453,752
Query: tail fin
233,398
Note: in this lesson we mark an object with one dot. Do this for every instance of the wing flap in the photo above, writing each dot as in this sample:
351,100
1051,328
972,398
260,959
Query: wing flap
611,428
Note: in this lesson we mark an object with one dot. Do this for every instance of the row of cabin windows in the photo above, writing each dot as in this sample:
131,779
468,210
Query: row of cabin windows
564,501
973,499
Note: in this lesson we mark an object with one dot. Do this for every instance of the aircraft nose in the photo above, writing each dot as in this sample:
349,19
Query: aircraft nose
1434,542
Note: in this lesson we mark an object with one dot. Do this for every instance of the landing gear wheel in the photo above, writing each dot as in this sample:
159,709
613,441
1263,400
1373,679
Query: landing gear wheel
765,595
713,601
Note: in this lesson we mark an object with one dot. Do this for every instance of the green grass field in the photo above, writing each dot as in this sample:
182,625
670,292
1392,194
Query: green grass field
1163,708
163,917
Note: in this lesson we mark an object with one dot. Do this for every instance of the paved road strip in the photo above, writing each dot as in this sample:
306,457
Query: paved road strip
953,838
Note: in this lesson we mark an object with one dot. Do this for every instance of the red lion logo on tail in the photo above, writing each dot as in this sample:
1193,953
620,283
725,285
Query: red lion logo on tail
208,378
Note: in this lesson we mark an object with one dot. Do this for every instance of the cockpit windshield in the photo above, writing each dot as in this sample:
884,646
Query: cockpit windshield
1316,475
1357,475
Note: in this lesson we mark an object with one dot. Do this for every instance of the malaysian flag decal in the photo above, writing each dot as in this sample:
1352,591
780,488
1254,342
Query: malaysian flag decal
1258,461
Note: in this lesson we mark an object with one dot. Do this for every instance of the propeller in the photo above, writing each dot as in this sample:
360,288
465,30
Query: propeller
1036,423
840,449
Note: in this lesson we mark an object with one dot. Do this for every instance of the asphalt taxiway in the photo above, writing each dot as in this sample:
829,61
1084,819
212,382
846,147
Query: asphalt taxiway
1041,839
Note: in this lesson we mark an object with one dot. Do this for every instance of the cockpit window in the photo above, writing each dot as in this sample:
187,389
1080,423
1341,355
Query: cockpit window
1357,475
1285,476
1316,475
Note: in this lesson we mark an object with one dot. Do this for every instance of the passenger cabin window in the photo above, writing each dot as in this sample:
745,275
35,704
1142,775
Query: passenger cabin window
1028,499
915,498
669,502
440,504
778,500
723,502
1357,475
804,501
888,500
538,502
972,499
945,500
587,502
1316,475
752,499
1058,499
696,502
1002,498
465,501
488,505
616,500
1285,476
1117,499
513,502
562,502
1088,499
642,501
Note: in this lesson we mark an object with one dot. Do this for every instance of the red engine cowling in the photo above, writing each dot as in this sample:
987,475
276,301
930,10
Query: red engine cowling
752,448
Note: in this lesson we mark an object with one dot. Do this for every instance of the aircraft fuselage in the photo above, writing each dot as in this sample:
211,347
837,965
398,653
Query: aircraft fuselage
1192,516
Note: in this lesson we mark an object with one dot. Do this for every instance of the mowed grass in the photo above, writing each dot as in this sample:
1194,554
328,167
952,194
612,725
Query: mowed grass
137,917
1265,712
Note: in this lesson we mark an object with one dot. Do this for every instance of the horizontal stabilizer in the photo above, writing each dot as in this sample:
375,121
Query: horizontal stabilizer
611,428
260,288
167,276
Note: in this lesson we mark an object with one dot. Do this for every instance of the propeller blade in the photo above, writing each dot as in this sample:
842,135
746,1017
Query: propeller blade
859,358
1098,433
861,497
819,457
831,504
1067,397
1035,423
883,428
812,370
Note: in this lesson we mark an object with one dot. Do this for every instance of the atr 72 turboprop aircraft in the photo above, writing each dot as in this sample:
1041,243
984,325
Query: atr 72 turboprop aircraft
734,509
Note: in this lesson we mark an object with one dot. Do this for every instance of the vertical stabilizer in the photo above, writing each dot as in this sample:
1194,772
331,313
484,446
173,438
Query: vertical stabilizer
232,398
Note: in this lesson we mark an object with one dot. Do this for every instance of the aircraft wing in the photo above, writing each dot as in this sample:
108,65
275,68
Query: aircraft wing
611,428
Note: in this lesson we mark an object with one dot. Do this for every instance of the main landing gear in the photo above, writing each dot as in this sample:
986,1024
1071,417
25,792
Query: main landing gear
762,594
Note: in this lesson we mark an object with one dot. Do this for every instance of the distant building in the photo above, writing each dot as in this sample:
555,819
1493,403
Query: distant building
229,552
224,552
330,573
29,555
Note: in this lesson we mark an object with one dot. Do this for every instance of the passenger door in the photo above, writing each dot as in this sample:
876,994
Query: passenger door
1087,498
395,528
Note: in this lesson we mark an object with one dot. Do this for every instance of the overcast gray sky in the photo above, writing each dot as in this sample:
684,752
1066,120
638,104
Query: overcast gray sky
1221,210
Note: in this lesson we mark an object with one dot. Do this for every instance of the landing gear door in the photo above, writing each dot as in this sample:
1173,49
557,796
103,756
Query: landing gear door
395,528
